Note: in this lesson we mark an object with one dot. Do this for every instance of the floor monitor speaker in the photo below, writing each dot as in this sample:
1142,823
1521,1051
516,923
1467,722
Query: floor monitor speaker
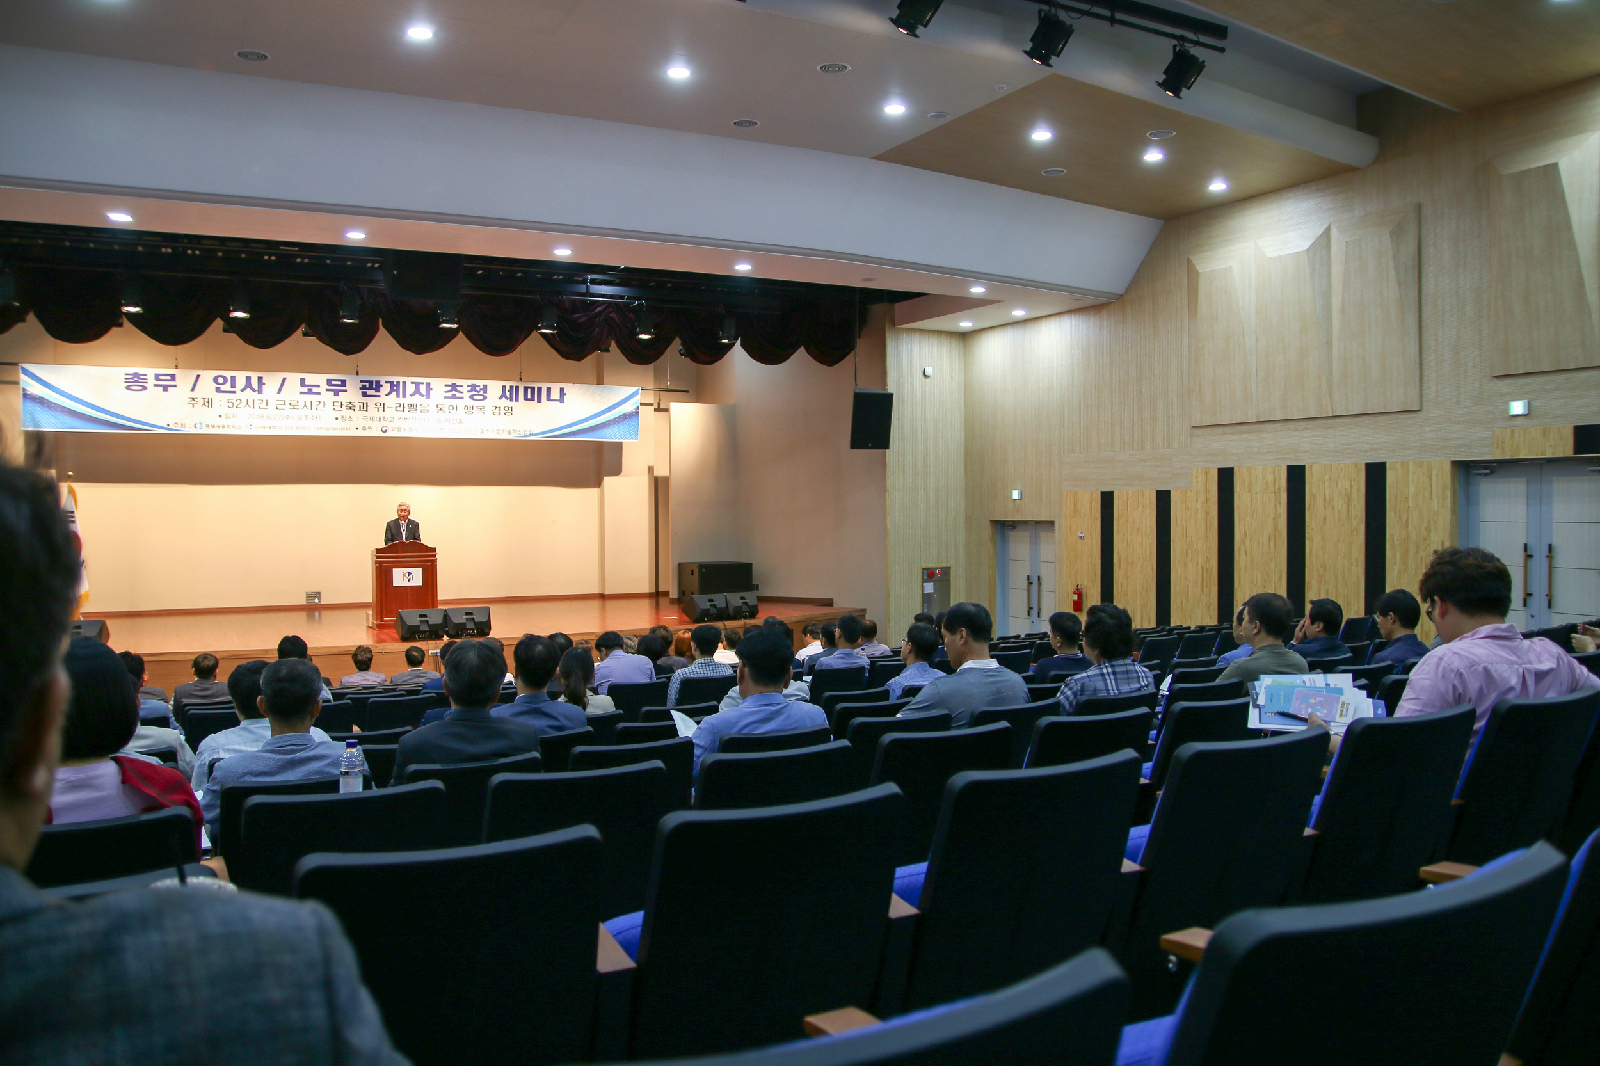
93,628
712,608
466,622
413,625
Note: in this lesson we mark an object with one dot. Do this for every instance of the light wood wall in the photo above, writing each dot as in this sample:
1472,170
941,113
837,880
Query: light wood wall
1194,551
1078,558
1336,499
1260,530
1421,519
1135,558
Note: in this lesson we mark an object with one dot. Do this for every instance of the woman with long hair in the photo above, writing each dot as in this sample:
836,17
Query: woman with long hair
575,675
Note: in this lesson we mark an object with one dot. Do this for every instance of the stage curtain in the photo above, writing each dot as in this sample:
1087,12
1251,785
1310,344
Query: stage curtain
322,319
178,310
73,306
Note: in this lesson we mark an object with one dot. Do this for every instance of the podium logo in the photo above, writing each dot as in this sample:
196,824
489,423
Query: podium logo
410,576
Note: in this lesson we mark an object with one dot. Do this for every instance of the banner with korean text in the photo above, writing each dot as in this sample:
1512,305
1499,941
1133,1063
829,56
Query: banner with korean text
107,399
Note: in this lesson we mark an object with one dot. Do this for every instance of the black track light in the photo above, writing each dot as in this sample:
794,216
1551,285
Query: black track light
449,316
132,295
547,319
239,302
1050,37
644,326
914,15
1183,70
349,305
729,331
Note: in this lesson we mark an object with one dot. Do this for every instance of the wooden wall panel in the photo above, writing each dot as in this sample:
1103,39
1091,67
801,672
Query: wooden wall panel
1293,331
1533,442
1194,551
1135,557
1377,344
1421,516
1336,534
1078,558
1222,352
1260,532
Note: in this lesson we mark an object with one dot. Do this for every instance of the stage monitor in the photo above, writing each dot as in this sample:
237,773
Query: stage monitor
93,628
704,608
414,625
466,622
870,415
742,605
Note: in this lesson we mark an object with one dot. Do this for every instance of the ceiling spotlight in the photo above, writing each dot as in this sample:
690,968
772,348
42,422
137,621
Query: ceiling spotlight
355,234
938,116
349,305
547,319
1161,135
728,332
132,295
894,109
1019,312
745,123
239,302
252,55
561,251
914,15
449,316
644,325
119,216
1154,155
1049,38
1218,185
1053,172
741,266
834,68
420,32
964,325
678,71
1041,135
1183,70
979,288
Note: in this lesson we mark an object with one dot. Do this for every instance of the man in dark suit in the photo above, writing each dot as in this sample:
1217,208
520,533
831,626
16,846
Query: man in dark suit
402,526
471,733
76,985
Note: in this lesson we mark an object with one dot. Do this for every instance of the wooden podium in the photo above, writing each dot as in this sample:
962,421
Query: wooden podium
405,576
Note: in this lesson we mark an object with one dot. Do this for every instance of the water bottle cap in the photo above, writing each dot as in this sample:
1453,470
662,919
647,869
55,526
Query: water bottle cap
351,743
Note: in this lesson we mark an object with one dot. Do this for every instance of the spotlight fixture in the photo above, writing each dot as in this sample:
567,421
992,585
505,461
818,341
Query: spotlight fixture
252,55
728,332
741,266
914,15
678,72
1041,135
978,288
644,324
563,251
1154,155
547,319
1053,172
1019,312
349,306
355,234
745,123
964,325
1183,70
239,302
419,31
1161,135
1218,185
894,109
132,295
450,316
1050,37
938,116
834,68
119,216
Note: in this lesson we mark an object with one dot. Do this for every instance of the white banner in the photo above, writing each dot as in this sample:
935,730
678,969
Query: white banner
111,399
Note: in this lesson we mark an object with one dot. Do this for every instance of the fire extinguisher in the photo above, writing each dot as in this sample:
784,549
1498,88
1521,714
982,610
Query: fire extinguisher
1077,597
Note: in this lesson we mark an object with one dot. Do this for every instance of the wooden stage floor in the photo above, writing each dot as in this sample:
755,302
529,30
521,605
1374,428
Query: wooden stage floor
168,640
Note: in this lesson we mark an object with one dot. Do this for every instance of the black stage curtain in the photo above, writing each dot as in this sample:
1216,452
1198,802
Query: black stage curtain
79,306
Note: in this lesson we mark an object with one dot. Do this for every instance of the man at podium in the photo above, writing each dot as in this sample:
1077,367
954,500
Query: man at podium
402,527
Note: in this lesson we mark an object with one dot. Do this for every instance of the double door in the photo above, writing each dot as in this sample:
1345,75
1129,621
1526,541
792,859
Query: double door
1542,518
1025,572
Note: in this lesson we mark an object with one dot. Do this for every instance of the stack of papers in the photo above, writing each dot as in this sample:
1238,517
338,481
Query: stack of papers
1287,701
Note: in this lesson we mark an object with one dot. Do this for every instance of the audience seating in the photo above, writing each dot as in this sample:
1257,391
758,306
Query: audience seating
1366,678
1391,690
181,709
1076,738
1197,645
1158,651
80,852
1023,874
1429,977
1590,661
1094,706
745,743
864,734
1195,671
1207,692
1583,813
484,953
625,803
1559,1024
382,736
631,697
199,724
339,717
87,890
1385,810
1360,651
677,755
830,700
1049,690
803,933
166,756
1227,835
710,690
845,713
1519,777
605,725
879,671
276,832
466,788
390,712
1409,665
380,759
659,714
226,839
554,748
1021,720
1190,721
923,763
1332,664
850,679
646,732
772,778
1018,662
1361,627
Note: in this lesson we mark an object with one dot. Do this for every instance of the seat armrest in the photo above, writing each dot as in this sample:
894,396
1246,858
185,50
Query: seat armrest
834,1022
1189,944
1441,873
609,956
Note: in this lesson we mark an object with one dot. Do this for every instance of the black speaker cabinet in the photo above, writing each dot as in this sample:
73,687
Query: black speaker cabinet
93,628
742,605
709,578
870,416
704,608
413,625
466,622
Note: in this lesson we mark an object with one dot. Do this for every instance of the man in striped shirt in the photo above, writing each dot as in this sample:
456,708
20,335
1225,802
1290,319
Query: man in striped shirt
705,639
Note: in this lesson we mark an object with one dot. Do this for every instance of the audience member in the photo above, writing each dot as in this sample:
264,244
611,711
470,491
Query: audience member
1268,622
704,640
135,667
1108,644
1317,636
1066,633
536,662
1398,614
617,665
676,656
916,651
205,688
494,643
870,647
764,671
1228,658
253,730
293,647
575,674
95,779
727,655
1484,658
436,682
924,618
291,699
978,681
471,733
365,674
414,674
829,633
848,636
563,645
795,690
654,648
813,632
79,984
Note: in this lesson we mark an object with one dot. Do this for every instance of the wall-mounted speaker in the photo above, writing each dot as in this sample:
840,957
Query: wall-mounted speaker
870,415
413,625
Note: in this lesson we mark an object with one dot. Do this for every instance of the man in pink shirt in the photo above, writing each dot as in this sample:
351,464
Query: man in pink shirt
1484,659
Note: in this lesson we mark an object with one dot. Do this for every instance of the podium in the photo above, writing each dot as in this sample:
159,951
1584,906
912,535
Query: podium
405,576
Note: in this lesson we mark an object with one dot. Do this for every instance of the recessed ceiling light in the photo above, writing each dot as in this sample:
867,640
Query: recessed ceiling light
1053,172
1218,186
894,109
1041,135
1020,311
252,55
119,216
979,288
561,251
745,123
1154,155
834,68
741,266
1161,135
678,71
964,325
938,116
420,31
355,234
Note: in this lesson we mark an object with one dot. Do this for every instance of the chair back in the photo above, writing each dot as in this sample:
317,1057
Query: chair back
923,763
848,679
1331,664
745,743
199,723
1058,740
226,840
1366,678
1195,675
1093,706
1357,628
1211,721
1558,1023
1440,974
771,778
1207,692
879,671
677,755
382,736
1021,720
845,713
338,717
1197,645
77,852
803,933
830,700
1385,810
693,690
1360,651
1018,662
391,712
634,696
646,732
625,803
1590,660
466,787
554,748
1519,779
380,759
519,917
1583,813
1226,836
276,832
167,756
1158,651
1391,689
1023,874
864,734
605,726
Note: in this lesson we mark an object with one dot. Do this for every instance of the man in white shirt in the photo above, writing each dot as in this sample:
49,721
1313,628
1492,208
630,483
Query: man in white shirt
812,631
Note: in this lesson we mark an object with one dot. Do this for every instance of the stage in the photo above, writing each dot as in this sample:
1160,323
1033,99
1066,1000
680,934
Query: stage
168,640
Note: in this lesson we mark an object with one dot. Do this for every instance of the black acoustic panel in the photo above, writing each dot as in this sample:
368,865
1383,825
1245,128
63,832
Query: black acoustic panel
414,625
708,578
870,414
1295,547
1376,572
1225,595
1586,439
93,628
1163,557
466,622
1108,547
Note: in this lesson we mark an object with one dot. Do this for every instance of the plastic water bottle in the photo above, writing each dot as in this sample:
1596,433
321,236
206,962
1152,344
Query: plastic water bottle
352,765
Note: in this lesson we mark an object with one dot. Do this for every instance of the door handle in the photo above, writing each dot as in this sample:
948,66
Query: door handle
1030,595
1526,555
1550,576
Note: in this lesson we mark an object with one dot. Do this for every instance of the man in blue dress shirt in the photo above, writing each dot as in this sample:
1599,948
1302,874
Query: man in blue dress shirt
869,642
618,665
1066,633
1398,614
763,673
1317,636
848,637
1227,659
917,652
536,659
